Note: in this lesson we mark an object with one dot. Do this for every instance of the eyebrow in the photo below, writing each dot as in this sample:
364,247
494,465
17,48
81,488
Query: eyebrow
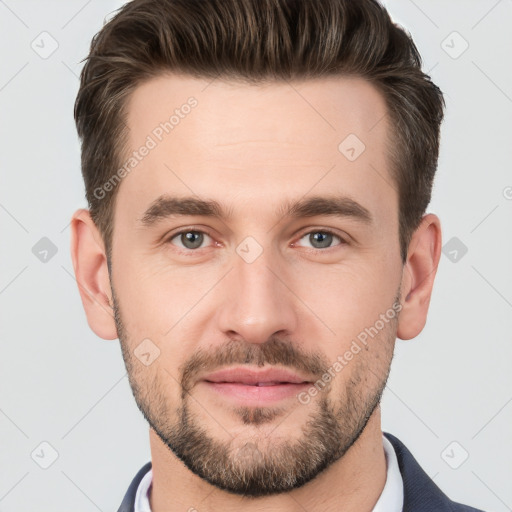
167,206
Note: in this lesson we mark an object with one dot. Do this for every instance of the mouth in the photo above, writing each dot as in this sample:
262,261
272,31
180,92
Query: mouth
256,386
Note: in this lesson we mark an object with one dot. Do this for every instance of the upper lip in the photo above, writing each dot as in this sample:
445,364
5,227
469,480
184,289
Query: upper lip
252,377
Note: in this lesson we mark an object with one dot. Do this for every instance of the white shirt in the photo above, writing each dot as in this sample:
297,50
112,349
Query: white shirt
390,500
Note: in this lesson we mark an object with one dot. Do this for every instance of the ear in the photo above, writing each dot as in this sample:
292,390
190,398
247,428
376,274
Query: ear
91,272
418,277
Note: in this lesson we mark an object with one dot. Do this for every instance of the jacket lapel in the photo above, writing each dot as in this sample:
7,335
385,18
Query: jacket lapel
421,494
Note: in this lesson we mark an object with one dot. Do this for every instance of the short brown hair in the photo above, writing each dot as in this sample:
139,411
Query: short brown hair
256,41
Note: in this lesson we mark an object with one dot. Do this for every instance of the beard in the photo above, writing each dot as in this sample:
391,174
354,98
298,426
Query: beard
261,465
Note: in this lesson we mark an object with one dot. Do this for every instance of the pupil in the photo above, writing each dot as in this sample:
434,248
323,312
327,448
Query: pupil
192,239
320,239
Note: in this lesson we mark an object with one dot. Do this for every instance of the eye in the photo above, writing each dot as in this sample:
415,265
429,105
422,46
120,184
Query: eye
322,239
192,239
189,239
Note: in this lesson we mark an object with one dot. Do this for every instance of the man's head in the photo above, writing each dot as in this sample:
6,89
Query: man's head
257,174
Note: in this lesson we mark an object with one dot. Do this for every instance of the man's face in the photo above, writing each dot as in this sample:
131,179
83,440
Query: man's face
263,287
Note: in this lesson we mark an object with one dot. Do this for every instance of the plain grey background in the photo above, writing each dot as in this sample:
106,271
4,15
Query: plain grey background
449,396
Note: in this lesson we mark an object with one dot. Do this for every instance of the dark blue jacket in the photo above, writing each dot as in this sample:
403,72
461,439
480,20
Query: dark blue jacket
421,494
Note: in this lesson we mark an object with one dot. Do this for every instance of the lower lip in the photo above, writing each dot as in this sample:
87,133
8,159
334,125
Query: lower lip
257,395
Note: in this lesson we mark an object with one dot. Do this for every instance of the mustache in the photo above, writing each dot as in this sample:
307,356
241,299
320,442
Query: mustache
273,352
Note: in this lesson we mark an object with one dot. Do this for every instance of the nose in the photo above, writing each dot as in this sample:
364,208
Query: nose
257,302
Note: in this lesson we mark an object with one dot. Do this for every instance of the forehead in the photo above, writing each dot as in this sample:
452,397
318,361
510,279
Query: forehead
227,140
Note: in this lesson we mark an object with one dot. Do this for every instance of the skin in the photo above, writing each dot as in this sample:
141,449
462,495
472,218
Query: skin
251,148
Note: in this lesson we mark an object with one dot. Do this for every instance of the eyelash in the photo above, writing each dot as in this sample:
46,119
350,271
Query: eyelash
311,249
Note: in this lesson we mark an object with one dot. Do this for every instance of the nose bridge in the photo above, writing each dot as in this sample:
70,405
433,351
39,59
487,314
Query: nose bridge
257,304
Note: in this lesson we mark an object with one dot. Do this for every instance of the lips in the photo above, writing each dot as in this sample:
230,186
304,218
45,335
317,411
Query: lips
260,377
255,386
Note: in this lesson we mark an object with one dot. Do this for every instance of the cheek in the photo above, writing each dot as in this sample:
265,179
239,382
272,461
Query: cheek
362,364
156,297
348,298
170,308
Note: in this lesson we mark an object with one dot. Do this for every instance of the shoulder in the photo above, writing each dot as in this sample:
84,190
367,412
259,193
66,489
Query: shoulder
421,494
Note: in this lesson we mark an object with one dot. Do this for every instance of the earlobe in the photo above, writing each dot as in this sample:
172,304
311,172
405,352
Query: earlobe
91,272
418,277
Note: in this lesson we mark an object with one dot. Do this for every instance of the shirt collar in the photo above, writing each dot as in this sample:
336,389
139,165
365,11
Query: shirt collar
392,496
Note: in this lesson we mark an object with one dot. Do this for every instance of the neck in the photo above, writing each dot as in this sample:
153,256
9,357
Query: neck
353,483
